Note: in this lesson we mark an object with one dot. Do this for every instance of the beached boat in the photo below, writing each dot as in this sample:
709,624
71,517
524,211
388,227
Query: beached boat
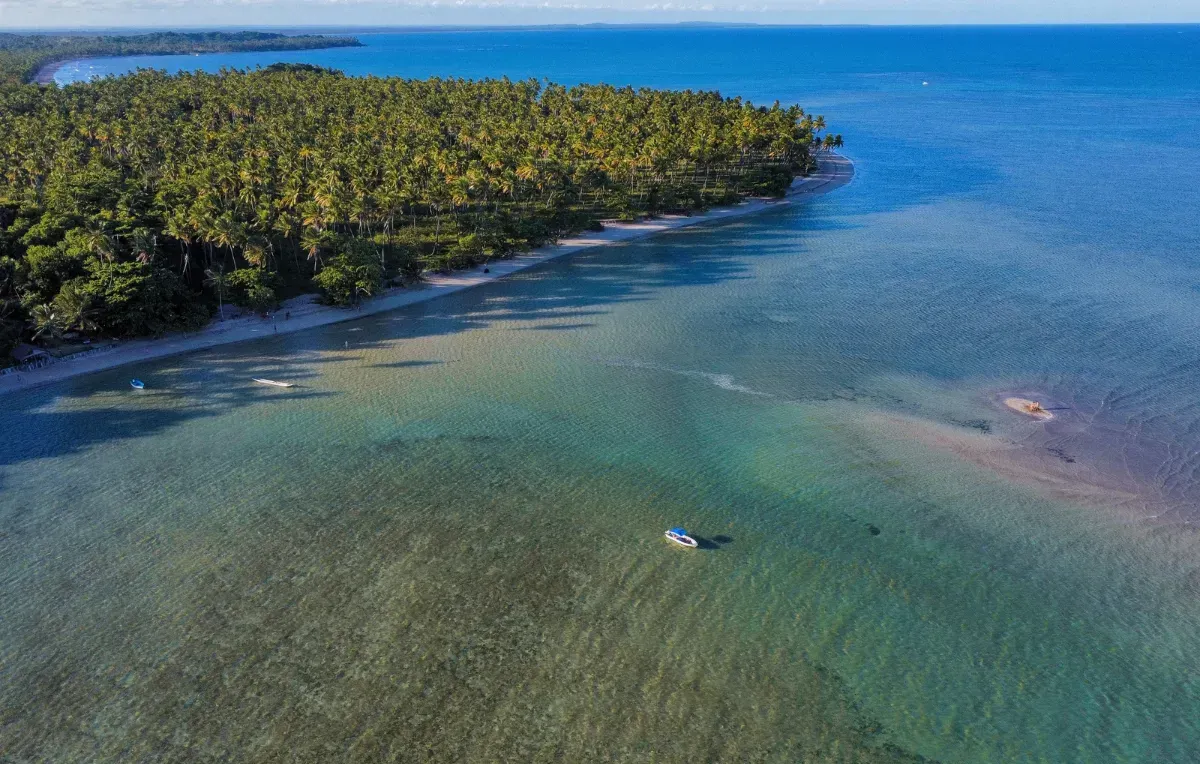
137,384
273,383
679,536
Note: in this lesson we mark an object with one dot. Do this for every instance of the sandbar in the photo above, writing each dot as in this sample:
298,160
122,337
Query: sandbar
1028,408
1080,477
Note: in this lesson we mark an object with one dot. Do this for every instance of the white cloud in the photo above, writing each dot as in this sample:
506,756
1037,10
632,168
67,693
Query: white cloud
248,13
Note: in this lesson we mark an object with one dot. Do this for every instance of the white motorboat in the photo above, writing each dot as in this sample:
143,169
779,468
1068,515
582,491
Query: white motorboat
680,537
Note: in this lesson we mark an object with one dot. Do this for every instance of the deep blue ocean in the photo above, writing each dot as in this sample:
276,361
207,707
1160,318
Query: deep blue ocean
446,545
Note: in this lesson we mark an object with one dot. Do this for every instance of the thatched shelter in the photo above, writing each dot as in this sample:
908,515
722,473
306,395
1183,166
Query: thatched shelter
25,353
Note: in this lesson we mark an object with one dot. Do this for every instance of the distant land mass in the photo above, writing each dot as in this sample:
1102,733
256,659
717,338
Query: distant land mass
24,57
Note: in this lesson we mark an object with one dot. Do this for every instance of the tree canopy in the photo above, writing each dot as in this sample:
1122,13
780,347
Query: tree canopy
22,55
120,198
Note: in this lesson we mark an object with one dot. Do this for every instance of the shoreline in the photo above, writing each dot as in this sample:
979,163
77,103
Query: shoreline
834,171
47,69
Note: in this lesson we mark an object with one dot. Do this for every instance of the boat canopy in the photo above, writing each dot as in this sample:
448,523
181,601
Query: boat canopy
679,531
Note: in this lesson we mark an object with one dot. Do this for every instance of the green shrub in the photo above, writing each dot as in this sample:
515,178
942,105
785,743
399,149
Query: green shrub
253,288
137,298
48,268
405,262
350,275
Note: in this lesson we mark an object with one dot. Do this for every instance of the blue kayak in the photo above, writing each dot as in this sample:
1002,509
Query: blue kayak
137,384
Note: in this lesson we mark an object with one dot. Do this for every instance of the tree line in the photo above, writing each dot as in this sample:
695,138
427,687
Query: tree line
21,56
135,205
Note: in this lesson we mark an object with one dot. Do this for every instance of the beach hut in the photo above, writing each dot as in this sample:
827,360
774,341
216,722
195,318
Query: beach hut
24,353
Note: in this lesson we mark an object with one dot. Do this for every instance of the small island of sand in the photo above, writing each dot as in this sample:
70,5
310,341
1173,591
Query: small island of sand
1028,407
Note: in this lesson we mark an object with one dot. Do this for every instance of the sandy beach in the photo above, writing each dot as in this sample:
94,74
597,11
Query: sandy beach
45,73
834,172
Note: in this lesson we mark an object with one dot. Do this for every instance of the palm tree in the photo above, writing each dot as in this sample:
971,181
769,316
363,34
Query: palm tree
313,240
362,283
47,322
144,243
76,309
100,243
177,228
245,165
216,278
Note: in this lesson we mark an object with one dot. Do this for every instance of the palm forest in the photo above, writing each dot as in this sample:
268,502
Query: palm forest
138,205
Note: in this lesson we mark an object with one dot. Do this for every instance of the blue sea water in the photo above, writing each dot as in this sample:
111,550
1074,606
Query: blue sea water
446,544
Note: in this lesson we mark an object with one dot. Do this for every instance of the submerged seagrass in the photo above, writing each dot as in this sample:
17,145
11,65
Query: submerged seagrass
446,542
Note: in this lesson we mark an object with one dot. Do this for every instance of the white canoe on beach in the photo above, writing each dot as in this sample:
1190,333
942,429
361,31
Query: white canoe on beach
273,383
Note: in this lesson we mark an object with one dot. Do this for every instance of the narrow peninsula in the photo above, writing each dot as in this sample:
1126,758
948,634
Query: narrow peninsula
34,58
146,204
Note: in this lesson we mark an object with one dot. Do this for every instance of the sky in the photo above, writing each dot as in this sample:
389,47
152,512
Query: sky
74,14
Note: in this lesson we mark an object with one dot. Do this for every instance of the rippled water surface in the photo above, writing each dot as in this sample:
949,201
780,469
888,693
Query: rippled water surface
445,543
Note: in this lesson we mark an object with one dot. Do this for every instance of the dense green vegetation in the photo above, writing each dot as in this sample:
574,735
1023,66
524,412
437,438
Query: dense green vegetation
135,205
22,55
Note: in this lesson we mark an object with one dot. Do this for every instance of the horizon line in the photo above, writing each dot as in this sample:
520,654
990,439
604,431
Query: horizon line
372,28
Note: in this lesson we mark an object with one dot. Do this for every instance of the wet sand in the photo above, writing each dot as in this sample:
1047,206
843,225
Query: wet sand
1073,459
1029,408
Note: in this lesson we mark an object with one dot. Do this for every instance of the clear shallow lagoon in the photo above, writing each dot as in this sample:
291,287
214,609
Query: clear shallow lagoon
447,542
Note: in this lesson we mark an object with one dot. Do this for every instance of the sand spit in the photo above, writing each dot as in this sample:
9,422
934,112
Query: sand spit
1029,408
1059,466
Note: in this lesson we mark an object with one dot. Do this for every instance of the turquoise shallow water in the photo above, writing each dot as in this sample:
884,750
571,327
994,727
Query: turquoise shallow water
446,543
